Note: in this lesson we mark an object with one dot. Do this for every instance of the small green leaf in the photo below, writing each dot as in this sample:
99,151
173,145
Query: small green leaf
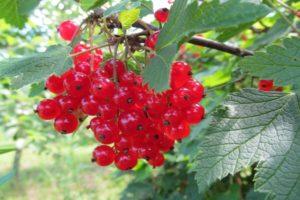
9,10
128,17
36,89
279,63
124,5
7,148
36,67
90,4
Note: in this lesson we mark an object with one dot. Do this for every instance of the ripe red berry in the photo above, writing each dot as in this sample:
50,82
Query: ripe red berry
84,55
66,123
181,98
55,84
48,109
125,161
103,155
179,131
165,143
151,40
67,103
106,132
95,122
103,88
172,117
130,79
265,85
67,30
162,15
98,74
124,98
197,90
131,122
111,64
89,105
83,67
155,106
107,110
77,84
157,161
123,142
181,72
194,114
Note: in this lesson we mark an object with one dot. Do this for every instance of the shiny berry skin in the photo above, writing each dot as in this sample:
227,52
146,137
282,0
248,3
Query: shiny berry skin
151,40
265,85
165,143
67,30
157,161
67,103
106,132
55,84
66,123
181,98
125,161
107,110
77,84
111,64
48,109
181,72
155,106
131,122
162,15
103,155
130,79
98,74
103,88
197,90
95,122
123,142
172,117
147,151
179,131
82,57
89,105
124,98
194,114
83,67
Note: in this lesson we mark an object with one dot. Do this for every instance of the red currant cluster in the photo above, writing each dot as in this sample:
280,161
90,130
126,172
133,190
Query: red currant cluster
129,119
268,85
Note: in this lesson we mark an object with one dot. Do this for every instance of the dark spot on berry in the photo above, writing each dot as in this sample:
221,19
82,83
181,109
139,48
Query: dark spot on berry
93,160
166,123
156,136
186,97
147,158
140,127
99,88
130,100
102,137
190,73
78,87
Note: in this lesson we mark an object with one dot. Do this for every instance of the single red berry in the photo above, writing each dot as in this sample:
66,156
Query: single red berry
124,98
95,122
55,84
155,106
89,105
83,54
165,143
125,161
77,84
111,64
172,117
67,103
131,122
179,131
83,67
151,40
48,109
157,161
197,90
194,114
99,74
103,88
123,142
103,155
130,79
107,110
265,85
162,15
181,98
67,30
106,132
147,151
66,123
181,72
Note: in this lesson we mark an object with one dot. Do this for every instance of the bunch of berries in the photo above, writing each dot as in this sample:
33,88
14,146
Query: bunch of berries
128,119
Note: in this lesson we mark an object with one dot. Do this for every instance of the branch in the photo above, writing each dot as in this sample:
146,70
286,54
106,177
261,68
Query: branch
204,42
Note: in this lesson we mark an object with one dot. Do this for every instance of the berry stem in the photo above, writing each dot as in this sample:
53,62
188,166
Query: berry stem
88,50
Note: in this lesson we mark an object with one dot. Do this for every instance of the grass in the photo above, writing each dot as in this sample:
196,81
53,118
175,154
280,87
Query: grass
68,175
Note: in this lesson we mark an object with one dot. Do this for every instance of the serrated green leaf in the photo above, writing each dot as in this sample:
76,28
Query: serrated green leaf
255,127
280,63
124,5
187,19
9,10
90,4
7,148
36,89
128,17
228,33
36,67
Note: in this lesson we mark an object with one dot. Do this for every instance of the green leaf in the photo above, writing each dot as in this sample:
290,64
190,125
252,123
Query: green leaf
155,73
124,5
280,63
187,19
36,67
9,10
7,148
138,191
280,28
36,89
228,33
128,17
27,6
90,4
7,177
255,127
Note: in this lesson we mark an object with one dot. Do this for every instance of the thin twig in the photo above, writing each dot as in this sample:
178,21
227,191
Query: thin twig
88,50
115,75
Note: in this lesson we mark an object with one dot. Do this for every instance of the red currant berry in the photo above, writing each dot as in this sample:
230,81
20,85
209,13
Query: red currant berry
103,88
55,84
111,64
155,106
131,122
151,40
83,67
77,84
172,117
165,143
157,161
179,131
194,114
181,72
124,98
66,123
108,110
103,155
265,85
89,105
123,142
95,122
125,161
197,90
67,30
84,55
48,109
162,15
130,79
147,151
106,132
67,103
181,98
99,74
